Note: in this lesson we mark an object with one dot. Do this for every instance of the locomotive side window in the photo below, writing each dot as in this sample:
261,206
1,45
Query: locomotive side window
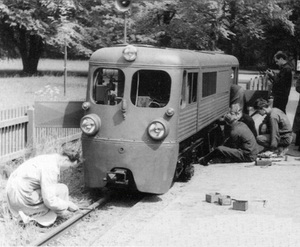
108,86
192,86
234,75
189,88
209,83
150,88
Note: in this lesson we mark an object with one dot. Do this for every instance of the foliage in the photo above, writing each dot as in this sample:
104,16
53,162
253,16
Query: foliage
248,31
254,26
182,24
252,32
108,24
28,25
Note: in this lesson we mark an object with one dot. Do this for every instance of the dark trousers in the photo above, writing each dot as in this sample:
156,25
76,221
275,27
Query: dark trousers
227,155
297,141
283,140
280,103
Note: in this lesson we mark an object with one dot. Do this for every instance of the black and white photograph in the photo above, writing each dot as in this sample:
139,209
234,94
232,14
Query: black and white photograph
150,123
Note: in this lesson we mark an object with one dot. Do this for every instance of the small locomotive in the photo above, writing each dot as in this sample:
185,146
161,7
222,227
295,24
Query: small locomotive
149,112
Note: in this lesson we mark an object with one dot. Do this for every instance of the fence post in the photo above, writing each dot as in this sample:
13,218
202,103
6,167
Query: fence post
249,85
31,137
260,85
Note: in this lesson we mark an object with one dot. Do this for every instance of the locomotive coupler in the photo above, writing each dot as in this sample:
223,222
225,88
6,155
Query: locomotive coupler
117,176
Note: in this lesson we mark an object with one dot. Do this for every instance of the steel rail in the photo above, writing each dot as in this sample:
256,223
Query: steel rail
56,232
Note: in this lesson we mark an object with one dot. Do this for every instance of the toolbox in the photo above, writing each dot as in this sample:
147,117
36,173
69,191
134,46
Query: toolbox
263,162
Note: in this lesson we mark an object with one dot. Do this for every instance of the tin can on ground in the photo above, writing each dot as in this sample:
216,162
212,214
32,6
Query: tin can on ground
263,162
240,205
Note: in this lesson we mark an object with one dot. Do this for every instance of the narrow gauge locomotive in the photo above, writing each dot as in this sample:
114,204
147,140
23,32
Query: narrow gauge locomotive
148,111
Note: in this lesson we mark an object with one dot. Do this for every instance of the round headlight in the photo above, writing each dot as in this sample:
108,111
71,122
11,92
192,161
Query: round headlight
158,129
130,53
90,124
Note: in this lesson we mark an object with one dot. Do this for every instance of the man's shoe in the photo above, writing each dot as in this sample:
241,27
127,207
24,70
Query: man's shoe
267,154
202,162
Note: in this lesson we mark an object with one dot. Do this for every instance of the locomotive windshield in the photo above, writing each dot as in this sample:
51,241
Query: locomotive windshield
108,86
150,88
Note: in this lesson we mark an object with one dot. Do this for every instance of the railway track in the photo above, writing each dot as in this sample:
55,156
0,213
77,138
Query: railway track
60,235
66,226
115,218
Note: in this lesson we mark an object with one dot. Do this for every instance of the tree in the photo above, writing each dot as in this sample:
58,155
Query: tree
251,32
190,24
106,24
26,26
260,30
30,27
294,42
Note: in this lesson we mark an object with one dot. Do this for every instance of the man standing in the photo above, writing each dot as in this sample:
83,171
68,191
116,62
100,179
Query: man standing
240,146
279,130
281,82
296,124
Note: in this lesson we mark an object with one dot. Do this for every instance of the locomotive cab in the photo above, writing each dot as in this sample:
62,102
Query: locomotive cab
128,113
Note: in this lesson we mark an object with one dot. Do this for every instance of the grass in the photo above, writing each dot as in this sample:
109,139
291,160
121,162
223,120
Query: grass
46,64
14,234
20,91
23,91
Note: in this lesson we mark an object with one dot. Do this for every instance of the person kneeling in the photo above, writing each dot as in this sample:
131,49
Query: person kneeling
240,146
278,130
33,191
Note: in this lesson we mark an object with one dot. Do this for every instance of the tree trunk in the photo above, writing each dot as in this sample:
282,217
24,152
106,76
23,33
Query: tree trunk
31,48
30,65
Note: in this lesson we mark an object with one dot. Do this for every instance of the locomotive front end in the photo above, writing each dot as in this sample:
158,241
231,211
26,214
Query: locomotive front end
128,136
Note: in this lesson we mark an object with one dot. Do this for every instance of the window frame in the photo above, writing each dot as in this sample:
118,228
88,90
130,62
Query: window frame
209,83
190,88
109,90
138,99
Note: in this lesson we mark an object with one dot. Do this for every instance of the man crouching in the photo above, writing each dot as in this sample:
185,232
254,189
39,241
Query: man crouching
276,135
240,146
33,191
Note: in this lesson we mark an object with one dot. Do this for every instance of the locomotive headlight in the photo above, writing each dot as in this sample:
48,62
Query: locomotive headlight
90,124
130,53
158,129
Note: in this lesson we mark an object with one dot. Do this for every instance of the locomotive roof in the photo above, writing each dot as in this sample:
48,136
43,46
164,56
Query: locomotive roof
163,57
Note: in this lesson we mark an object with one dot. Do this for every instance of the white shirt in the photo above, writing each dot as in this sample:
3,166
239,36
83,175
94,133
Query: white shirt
31,188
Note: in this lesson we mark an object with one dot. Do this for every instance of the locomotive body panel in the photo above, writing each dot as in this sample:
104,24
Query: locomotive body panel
150,164
212,108
153,57
187,125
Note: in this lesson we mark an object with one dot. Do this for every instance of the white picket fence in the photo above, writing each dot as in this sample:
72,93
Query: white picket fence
19,135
